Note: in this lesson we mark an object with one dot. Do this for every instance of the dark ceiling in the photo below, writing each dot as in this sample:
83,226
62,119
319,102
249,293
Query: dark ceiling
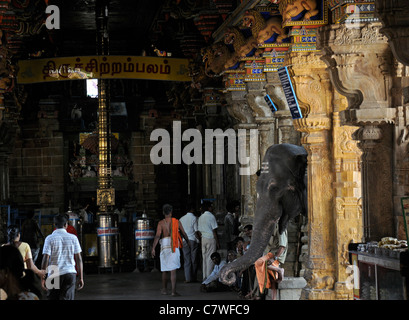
135,27
129,23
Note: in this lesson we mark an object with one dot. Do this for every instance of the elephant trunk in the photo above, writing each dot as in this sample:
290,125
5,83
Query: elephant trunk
259,240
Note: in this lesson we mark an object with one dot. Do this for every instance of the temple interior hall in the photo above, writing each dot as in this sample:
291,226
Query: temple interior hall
292,113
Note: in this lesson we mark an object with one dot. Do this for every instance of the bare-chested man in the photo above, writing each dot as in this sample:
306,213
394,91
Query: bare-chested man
169,229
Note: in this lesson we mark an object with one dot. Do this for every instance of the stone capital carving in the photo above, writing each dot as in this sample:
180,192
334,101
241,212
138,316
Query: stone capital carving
238,107
274,88
368,116
369,132
394,15
360,65
258,105
313,127
312,83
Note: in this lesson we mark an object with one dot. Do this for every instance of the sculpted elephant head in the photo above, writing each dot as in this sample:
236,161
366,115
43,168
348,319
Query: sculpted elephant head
281,195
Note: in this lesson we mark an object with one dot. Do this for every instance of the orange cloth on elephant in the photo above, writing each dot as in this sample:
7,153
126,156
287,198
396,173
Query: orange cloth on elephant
175,235
264,275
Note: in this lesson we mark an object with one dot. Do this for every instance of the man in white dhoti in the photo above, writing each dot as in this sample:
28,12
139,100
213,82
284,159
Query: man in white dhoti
170,243
168,260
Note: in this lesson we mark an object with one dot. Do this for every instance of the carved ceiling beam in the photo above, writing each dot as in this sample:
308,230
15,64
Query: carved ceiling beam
394,15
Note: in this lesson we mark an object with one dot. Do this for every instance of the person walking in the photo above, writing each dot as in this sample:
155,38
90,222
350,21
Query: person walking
31,233
13,237
207,230
170,243
61,253
189,223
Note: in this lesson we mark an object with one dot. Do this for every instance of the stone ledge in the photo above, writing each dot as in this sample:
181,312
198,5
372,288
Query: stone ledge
289,289
292,283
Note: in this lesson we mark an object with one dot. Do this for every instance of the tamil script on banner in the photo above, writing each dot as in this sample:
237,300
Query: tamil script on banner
289,93
103,67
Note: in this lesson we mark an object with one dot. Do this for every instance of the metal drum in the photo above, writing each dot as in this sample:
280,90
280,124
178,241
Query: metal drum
107,234
144,234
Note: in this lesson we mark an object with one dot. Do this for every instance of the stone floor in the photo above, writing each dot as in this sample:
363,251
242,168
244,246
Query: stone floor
142,286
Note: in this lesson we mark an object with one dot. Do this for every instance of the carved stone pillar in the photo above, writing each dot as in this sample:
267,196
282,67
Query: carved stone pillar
216,118
313,90
348,208
401,165
395,26
377,186
248,181
239,109
360,64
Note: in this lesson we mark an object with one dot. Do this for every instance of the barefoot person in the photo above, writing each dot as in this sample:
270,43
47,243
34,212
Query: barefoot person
170,243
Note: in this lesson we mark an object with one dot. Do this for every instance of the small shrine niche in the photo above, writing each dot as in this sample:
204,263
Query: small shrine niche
83,162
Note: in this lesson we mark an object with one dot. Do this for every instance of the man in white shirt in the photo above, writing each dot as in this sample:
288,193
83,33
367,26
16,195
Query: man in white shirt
207,226
189,223
61,252
212,282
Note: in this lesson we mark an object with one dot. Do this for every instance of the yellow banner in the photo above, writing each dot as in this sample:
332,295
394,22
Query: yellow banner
103,67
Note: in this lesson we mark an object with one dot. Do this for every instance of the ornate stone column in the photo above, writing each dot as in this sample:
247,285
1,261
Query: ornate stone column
314,92
348,208
360,65
216,118
394,16
377,181
401,166
239,109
